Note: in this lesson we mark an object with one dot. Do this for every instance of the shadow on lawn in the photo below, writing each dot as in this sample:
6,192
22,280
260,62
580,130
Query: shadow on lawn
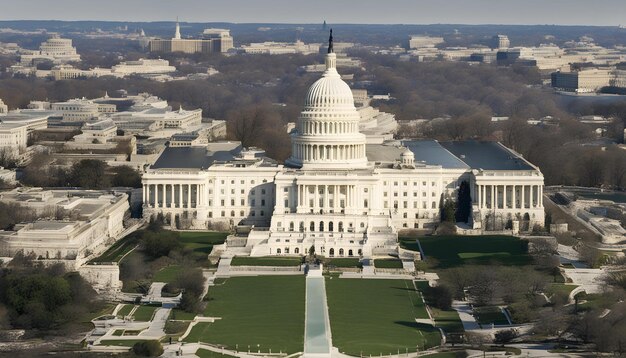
419,326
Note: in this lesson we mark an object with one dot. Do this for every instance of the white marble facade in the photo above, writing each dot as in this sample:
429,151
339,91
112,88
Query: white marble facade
339,194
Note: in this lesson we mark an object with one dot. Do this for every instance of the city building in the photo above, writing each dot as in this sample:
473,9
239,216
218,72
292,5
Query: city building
423,41
588,80
500,42
4,109
55,49
143,66
13,136
281,48
75,225
336,192
215,41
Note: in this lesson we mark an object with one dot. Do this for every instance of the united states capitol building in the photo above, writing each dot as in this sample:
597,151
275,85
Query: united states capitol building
337,192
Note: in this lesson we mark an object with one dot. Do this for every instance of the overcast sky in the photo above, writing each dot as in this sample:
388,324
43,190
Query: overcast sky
560,12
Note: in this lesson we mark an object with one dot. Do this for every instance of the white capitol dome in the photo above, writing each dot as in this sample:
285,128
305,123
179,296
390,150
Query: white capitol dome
327,131
330,91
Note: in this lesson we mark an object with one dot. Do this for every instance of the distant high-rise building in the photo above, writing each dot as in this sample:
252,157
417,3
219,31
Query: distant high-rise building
214,40
500,41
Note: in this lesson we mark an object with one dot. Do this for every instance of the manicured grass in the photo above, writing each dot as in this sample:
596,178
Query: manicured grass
453,251
175,327
377,316
120,342
388,263
202,241
125,310
144,313
488,315
178,314
265,261
409,243
455,354
265,310
344,262
205,353
557,287
167,274
119,249
448,320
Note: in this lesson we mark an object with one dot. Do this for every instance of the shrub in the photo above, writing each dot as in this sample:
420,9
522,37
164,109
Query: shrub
148,349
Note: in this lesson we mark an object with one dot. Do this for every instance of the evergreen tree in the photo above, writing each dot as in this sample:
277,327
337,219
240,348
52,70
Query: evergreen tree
464,208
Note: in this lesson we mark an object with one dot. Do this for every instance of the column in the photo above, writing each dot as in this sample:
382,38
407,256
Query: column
316,201
504,205
514,206
540,195
188,195
326,198
523,197
180,196
532,194
493,197
143,193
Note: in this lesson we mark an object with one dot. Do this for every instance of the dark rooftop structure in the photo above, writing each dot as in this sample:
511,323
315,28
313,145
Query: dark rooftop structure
431,152
196,157
486,155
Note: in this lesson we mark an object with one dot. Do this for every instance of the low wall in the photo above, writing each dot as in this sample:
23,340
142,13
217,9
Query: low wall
266,268
103,278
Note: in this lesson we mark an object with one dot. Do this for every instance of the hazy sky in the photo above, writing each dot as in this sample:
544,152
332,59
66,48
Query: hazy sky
562,12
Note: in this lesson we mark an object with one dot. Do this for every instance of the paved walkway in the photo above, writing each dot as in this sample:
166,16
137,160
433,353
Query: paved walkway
317,336
157,324
465,314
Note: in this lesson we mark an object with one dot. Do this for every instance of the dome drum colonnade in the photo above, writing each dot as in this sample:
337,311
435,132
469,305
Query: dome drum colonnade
327,134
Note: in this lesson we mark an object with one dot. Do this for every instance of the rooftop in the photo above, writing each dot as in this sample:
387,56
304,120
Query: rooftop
486,155
197,157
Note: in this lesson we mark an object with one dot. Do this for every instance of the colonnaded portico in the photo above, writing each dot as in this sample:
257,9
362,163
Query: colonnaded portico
337,193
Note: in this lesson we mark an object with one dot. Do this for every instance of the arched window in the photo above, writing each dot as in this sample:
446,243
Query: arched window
296,250
301,226
340,252
312,226
350,252
232,213
286,250
330,226
278,251
331,252
321,226
241,213
340,226
291,226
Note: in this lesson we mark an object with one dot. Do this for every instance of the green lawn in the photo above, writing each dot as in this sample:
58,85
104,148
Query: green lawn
453,251
167,274
202,241
119,249
344,262
205,353
559,287
409,243
388,263
178,314
265,261
447,320
487,315
265,310
377,316
144,313
125,310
